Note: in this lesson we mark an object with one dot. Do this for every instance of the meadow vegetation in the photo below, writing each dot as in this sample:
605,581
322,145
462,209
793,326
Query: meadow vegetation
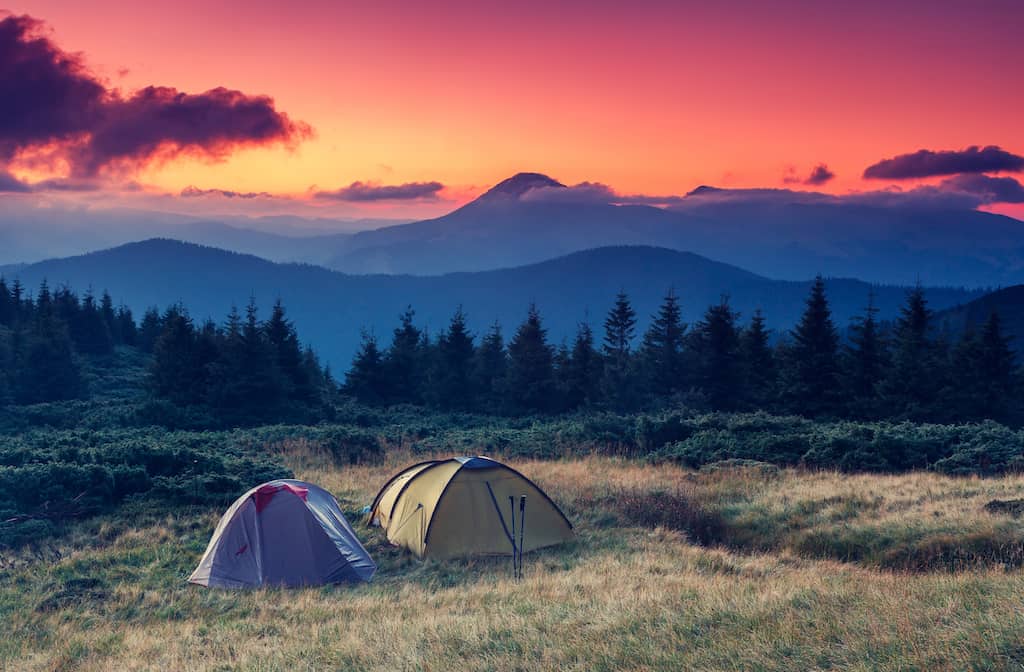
739,565
812,504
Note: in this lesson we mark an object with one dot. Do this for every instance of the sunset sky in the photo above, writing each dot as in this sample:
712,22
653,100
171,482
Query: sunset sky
649,98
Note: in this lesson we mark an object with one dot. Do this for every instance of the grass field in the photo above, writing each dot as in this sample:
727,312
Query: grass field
737,568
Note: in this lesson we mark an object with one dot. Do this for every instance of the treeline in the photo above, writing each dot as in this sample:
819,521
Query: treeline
906,370
243,372
41,338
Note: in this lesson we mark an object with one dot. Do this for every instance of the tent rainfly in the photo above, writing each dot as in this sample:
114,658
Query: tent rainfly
460,506
283,533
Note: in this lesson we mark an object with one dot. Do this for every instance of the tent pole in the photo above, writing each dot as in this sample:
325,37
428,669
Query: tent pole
522,531
515,561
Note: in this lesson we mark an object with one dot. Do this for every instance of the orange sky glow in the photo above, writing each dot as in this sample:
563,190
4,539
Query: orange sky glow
647,97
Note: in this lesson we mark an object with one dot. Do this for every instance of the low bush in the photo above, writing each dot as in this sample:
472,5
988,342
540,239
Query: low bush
674,510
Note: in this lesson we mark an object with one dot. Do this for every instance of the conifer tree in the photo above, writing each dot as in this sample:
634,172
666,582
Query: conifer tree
917,370
864,364
404,362
149,329
45,368
173,375
758,370
288,355
982,374
366,379
92,335
531,366
997,363
617,380
715,343
451,386
126,328
812,366
109,316
7,309
18,303
490,369
582,382
662,349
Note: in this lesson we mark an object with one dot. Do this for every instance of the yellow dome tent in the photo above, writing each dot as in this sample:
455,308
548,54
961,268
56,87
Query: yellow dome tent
466,506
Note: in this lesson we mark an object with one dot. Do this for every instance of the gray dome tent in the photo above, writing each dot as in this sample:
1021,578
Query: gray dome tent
283,533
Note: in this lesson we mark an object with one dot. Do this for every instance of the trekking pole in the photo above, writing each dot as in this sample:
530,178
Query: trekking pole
515,561
522,531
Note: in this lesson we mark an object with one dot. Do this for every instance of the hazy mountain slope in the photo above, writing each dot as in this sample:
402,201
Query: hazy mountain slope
1008,302
331,308
31,234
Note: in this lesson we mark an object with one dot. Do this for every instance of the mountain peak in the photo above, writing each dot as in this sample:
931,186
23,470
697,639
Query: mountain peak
517,185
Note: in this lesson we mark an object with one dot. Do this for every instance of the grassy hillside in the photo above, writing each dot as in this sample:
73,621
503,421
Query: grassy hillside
774,585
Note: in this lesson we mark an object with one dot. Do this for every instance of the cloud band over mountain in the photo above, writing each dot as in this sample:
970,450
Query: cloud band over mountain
56,111
927,163
368,191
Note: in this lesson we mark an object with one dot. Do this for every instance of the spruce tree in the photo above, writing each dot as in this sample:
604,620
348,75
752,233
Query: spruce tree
109,316
20,307
758,370
45,367
404,362
366,379
126,328
997,364
917,370
92,335
7,309
715,342
173,374
582,382
451,384
149,329
812,361
288,355
982,375
490,369
618,386
662,349
865,362
531,366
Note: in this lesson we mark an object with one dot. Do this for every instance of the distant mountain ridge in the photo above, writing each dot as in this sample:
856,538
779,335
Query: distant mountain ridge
531,217
777,233
330,308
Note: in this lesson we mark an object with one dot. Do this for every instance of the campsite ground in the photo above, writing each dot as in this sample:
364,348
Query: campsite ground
793,570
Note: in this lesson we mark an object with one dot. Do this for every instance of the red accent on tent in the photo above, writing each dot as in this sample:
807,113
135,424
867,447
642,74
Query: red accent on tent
242,549
266,493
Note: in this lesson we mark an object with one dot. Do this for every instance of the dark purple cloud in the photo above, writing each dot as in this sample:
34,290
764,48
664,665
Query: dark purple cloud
368,191
927,163
990,189
48,94
54,106
820,174
195,192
